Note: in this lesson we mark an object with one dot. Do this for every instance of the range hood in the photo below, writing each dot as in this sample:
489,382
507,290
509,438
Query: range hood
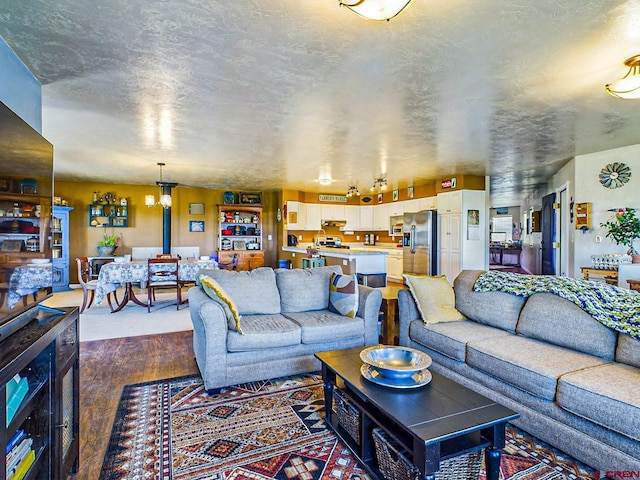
334,223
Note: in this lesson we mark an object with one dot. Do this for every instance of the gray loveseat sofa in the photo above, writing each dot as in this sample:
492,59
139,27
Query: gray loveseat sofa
575,382
285,321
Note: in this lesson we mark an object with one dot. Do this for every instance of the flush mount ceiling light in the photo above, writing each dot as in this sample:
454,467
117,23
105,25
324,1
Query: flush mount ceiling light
353,191
628,87
376,9
165,192
379,183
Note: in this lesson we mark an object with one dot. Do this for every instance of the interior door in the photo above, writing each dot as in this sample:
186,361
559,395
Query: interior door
548,224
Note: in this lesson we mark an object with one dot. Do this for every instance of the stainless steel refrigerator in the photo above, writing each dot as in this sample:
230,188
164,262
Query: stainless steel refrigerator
419,242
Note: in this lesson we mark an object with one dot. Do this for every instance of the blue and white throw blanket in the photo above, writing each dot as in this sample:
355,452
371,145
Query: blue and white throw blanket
614,307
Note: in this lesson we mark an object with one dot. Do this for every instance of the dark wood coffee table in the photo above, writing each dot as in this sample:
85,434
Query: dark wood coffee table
432,423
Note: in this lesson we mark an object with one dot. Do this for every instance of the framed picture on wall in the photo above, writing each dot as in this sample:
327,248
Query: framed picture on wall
196,209
395,195
410,192
196,225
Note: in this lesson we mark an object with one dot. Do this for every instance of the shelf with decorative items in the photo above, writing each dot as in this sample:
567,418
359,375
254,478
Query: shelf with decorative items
240,232
107,211
24,226
583,216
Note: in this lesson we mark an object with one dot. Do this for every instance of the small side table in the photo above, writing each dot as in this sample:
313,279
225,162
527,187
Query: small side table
313,262
634,284
610,276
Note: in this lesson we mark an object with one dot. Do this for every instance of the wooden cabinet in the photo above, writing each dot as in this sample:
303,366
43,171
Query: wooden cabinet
60,248
45,353
247,260
240,232
583,216
108,215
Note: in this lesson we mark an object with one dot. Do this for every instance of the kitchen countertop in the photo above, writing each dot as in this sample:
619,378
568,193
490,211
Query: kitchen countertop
339,252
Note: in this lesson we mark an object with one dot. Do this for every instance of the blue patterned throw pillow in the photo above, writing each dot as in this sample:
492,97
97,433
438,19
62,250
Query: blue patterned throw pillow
343,295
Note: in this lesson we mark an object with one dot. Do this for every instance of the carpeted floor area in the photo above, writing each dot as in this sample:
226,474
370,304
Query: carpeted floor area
172,429
98,323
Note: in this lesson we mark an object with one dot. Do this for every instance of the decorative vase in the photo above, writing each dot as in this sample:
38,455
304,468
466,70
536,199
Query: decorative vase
106,250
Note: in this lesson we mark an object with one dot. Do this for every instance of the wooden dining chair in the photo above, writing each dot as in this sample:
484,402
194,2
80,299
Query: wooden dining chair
163,273
232,265
90,284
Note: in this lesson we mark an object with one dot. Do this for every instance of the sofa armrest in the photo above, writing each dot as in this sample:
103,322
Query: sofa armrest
209,336
369,302
407,313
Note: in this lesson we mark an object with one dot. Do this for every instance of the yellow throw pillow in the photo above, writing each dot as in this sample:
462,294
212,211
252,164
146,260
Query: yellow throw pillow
434,297
214,290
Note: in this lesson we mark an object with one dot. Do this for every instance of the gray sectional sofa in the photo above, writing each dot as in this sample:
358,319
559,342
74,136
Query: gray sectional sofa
575,382
285,321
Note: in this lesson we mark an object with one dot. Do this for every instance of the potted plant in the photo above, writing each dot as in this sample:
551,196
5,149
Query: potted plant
107,245
623,228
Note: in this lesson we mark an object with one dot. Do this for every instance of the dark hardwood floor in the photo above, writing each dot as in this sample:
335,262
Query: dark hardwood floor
108,365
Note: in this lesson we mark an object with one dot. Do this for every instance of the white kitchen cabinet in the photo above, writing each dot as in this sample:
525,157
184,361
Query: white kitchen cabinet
463,246
296,218
396,208
381,217
333,212
428,203
313,217
366,217
394,266
450,202
352,216
411,206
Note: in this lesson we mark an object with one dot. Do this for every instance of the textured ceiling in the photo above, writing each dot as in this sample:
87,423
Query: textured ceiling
271,94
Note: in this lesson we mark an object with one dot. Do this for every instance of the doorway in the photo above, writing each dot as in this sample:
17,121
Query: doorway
548,223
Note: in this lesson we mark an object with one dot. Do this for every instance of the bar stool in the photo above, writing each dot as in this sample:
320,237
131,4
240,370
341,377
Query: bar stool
313,262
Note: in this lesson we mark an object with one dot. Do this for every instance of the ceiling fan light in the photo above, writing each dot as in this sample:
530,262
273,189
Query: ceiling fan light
376,9
627,87
149,200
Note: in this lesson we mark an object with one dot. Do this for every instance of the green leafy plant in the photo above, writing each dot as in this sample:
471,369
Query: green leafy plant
623,228
108,240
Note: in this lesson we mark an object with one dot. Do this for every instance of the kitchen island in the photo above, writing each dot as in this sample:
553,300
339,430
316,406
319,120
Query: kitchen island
370,265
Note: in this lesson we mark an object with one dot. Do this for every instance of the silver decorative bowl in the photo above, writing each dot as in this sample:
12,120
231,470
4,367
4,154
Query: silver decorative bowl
395,362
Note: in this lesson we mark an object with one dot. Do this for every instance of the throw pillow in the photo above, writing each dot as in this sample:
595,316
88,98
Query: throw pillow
434,297
343,295
214,290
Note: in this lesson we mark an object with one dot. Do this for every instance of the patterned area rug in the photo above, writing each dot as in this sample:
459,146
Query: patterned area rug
172,429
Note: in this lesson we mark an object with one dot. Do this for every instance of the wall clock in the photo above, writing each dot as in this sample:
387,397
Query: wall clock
615,175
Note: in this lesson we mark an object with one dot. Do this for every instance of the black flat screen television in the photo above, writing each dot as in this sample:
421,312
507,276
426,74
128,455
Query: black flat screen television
26,193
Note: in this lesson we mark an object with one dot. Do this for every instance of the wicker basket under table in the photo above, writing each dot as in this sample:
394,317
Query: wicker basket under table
394,464
348,415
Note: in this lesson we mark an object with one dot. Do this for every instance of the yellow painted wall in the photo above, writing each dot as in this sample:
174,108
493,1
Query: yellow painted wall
145,224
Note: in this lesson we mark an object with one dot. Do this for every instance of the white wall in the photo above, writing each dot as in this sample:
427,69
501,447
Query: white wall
19,89
589,189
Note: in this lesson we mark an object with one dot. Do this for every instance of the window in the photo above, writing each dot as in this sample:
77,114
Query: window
502,229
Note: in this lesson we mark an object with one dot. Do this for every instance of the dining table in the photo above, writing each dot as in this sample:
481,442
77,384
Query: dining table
127,274
27,280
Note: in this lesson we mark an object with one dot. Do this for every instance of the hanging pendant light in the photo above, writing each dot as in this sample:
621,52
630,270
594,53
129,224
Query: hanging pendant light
627,87
376,9
165,192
